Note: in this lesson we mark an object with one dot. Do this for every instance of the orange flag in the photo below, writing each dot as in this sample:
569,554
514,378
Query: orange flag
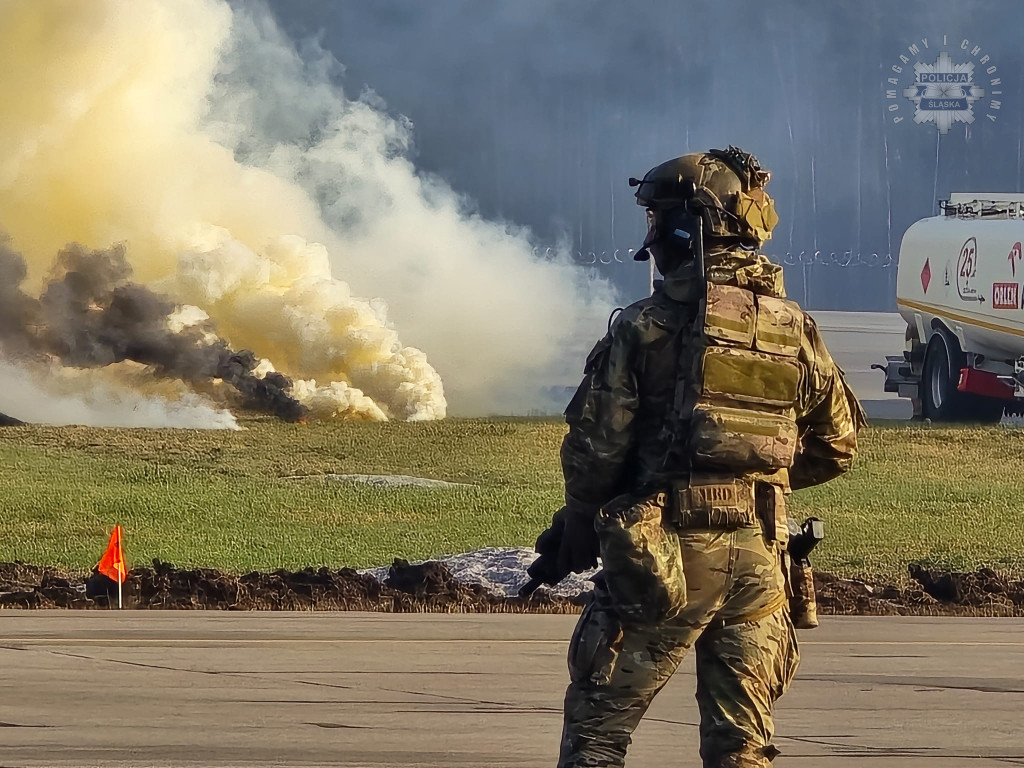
112,563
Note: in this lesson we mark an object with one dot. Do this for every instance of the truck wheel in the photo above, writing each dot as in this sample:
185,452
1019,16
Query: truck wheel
940,398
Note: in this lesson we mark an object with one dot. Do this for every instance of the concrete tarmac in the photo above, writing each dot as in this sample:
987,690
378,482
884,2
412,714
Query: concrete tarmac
163,689
858,340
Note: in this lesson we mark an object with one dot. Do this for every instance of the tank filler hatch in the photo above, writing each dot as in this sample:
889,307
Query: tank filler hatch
988,205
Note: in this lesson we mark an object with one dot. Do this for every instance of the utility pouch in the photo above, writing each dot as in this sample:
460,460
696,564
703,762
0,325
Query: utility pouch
741,439
642,559
747,376
779,326
771,508
595,646
714,502
730,315
803,607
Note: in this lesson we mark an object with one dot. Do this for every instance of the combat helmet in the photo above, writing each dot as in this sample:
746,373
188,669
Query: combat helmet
723,188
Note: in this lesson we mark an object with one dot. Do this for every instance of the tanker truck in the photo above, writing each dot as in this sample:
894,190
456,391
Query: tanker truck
958,290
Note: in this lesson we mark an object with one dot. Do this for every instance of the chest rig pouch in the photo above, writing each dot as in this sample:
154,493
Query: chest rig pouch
748,382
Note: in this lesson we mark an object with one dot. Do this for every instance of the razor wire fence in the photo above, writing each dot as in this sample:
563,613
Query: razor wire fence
844,280
819,279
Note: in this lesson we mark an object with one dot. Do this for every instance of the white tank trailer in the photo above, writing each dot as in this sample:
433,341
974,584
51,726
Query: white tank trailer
958,287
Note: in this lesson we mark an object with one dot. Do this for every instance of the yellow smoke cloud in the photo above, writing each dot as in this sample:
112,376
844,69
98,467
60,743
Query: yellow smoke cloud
243,182
100,143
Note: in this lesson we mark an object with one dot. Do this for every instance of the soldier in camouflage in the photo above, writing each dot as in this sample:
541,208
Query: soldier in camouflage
700,410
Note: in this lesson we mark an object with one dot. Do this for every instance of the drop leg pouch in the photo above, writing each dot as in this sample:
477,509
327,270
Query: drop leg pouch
642,559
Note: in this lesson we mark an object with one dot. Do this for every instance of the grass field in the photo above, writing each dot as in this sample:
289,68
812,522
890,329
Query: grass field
257,499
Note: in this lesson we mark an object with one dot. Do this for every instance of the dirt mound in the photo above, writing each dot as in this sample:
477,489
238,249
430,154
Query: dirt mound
984,590
929,593
431,587
857,597
30,586
407,588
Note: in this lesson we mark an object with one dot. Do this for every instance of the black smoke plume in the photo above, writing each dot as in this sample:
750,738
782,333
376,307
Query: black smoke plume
90,315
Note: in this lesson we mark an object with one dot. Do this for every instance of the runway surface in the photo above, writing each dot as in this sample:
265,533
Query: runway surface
162,689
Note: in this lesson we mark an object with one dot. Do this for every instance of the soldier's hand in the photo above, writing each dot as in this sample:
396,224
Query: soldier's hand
579,547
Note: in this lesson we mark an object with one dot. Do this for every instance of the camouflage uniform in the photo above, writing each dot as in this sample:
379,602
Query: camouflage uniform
682,582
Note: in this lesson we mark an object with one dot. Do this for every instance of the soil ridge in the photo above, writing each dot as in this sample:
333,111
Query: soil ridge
430,587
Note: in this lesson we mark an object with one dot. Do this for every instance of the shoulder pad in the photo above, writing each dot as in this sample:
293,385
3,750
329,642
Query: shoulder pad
628,315
611,318
597,354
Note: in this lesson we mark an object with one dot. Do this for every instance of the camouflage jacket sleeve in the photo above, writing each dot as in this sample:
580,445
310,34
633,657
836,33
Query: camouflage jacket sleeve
828,416
600,418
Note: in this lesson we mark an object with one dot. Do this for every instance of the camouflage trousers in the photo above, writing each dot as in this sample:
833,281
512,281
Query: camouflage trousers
746,655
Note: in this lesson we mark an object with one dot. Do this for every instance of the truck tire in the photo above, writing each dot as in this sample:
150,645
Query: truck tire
940,398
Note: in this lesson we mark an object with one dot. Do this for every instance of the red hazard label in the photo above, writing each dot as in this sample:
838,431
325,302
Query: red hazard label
1005,295
926,275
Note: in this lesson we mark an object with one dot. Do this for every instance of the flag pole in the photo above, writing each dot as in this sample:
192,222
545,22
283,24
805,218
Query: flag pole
112,564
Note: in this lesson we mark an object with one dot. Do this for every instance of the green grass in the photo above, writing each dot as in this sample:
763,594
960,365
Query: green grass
238,500
945,497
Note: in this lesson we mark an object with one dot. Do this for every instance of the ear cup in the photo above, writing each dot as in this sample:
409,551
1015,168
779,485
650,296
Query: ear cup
681,227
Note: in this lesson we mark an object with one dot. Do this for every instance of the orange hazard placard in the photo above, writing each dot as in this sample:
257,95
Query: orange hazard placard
112,564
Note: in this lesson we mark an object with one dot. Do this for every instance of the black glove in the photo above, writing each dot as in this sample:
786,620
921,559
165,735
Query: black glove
544,569
578,548
570,545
